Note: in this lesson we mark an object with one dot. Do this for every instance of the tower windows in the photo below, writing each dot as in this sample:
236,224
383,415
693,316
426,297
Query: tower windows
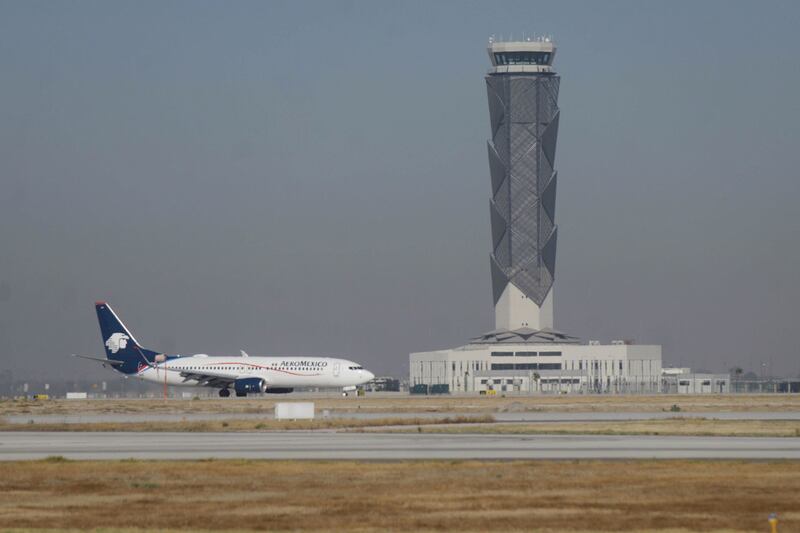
522,58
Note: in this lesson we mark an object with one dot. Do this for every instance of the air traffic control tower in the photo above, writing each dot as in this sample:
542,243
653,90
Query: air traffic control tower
525,353
523,111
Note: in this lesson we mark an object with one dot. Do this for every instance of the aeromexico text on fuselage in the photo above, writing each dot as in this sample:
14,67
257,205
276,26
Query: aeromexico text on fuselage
305,363
242,374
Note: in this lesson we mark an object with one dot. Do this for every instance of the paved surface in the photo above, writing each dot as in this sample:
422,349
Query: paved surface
374,446
500,417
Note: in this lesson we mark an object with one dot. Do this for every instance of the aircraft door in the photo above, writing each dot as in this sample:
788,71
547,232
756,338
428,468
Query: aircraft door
336,368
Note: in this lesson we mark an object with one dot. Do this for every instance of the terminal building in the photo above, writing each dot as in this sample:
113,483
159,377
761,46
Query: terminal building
524,353
684,381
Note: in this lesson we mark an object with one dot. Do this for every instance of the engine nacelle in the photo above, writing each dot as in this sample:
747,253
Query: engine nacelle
278,390
245,385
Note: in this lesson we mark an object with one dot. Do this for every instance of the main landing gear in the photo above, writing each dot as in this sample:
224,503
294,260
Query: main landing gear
224,393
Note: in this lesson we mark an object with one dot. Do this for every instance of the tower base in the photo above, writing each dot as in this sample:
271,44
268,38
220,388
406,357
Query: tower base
514,310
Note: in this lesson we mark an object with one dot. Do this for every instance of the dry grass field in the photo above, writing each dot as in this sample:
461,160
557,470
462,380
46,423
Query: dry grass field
475,424
431,404
629,496
700,427
234,424
173,530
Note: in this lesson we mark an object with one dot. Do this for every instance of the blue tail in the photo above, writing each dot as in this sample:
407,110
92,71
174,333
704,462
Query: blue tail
119,343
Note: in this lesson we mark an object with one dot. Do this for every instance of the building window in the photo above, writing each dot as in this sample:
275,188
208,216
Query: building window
522,58
550,354
502,354
502,366
683,383
550,366
526,366
526,354
706,382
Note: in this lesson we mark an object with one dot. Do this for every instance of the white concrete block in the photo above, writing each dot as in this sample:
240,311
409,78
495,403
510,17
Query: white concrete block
294,411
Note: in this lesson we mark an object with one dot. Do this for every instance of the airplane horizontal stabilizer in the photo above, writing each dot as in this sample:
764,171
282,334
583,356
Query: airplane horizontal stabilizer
103,360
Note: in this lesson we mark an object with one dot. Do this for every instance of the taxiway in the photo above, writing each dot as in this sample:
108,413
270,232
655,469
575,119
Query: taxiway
328,445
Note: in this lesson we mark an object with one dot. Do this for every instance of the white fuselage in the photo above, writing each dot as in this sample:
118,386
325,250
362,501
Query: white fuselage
277,372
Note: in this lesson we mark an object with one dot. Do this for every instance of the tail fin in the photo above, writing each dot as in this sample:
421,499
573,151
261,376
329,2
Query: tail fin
119,343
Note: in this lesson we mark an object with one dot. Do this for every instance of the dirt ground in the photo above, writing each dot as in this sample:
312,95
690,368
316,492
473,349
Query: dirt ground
550,496
434,404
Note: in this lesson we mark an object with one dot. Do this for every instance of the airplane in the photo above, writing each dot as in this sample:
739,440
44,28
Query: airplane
242,375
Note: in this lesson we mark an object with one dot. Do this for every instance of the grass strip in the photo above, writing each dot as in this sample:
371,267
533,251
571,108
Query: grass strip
545,496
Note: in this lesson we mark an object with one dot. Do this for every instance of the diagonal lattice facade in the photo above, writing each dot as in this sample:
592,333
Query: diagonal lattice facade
523,110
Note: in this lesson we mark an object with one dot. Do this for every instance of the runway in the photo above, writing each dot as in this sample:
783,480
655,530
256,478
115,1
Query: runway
383,446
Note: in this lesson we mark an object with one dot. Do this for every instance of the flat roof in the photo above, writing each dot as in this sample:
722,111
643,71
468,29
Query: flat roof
525,336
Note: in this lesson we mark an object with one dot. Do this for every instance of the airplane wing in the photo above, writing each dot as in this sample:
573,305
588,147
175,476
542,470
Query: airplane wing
205,378
103,360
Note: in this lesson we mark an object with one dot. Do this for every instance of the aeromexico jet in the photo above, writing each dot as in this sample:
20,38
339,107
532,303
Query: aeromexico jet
243,374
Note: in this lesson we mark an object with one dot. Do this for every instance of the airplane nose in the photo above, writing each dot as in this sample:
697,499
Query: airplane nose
369,376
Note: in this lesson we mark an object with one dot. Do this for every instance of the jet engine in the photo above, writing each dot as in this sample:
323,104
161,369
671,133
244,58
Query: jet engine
244,385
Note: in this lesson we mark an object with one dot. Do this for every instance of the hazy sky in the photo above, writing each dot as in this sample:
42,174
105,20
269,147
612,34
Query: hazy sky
311,177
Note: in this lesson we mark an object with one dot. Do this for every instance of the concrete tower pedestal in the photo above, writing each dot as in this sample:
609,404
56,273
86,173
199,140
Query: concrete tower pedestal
514,310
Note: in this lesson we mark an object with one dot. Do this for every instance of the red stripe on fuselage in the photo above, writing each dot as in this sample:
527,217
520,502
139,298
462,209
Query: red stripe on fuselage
253,365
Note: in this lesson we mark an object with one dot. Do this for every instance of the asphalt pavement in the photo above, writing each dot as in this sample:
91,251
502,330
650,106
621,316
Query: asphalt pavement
18,445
